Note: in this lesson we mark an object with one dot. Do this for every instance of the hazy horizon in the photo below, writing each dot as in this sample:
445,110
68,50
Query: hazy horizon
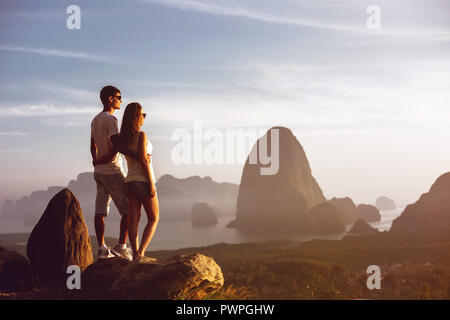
370,107
45,187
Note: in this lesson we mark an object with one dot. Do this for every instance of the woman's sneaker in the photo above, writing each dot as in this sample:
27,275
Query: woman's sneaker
122,253
104,253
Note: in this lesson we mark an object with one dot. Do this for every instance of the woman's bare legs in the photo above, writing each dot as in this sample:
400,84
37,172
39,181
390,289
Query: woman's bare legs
151,206
134,212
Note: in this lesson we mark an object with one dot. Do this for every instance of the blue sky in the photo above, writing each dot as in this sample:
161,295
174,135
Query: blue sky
370,107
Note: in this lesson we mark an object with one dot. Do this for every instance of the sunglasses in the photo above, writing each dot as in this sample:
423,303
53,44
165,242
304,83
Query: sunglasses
144,114
118,97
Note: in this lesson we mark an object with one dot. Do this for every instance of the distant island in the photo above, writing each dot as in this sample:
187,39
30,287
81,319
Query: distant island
361,227
369,212
385,203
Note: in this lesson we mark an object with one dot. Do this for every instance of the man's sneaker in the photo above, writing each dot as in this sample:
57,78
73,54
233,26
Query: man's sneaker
122,253
104,253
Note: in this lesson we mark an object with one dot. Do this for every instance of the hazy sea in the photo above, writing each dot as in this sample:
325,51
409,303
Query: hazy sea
181,234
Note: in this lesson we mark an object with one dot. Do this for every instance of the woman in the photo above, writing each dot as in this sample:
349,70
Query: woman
140,179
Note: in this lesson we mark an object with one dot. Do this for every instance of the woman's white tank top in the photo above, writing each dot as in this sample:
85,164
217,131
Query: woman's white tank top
135,169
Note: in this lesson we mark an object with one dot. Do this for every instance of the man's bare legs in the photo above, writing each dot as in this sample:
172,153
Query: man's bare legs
123,229
99,223
151,206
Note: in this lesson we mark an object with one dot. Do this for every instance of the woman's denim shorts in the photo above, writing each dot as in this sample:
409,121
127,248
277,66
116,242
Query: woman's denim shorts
139,188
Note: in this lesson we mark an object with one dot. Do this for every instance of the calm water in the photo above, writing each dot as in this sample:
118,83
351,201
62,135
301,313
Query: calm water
387,216
181,234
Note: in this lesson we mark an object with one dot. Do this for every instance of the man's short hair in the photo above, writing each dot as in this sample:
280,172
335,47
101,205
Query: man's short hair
106,92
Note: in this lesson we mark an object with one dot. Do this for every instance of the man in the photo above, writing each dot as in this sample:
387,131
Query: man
109,173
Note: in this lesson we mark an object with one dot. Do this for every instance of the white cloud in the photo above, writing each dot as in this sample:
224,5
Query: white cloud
14,133
11,151
347,16
239,8
57,53
64,122
43,110
41,89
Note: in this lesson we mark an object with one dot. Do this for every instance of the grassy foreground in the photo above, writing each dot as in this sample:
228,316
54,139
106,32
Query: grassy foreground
413,266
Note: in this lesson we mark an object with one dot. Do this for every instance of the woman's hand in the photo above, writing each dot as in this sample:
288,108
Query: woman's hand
152,190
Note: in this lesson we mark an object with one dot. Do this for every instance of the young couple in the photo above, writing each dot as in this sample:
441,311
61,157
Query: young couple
128,193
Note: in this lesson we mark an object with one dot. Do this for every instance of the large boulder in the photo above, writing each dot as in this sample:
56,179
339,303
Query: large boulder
280,201
99,276
14,272
346,208
431,211
384,203
59,239
369,212
361,227
202,215
188,276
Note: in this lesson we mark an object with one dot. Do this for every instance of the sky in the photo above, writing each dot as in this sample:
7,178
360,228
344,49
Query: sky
369,106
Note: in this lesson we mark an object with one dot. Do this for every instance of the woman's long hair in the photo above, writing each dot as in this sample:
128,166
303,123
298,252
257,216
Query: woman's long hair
130,122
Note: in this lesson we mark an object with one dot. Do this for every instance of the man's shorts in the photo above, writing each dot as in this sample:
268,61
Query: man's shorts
111,186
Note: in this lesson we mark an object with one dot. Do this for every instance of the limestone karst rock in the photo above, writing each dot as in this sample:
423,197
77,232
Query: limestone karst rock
271,202
202,215
431,211
384,203
346,208
361,227
220,196
369,212
325,218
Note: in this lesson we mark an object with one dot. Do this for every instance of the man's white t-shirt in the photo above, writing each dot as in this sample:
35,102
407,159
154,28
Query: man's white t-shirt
103,126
